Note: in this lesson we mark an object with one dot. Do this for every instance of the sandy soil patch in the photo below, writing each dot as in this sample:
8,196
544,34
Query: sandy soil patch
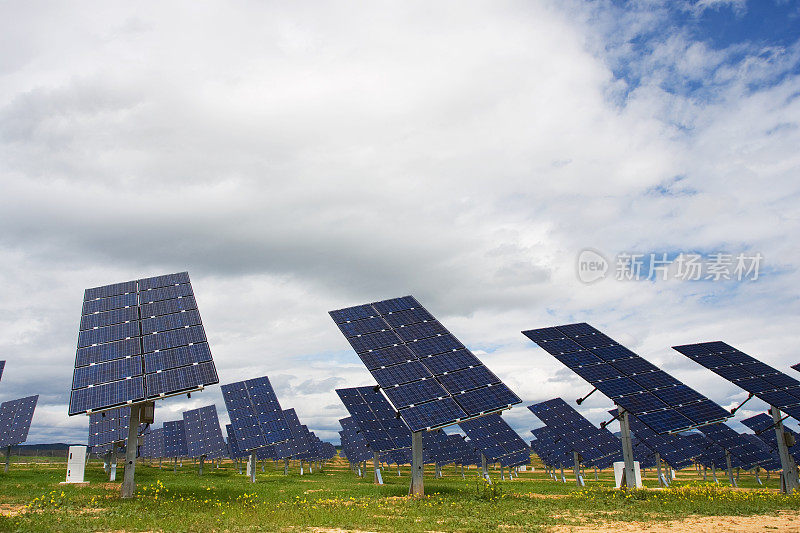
784,521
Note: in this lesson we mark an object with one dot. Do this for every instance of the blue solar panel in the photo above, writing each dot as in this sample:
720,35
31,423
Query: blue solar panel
2,366
597,447
15,420
110,427
154,444
496,440
552,449
255,413
175,439
659,400
416,361
299,444
764,428
233,448
375,418
139,340
203,434
765,382
743,453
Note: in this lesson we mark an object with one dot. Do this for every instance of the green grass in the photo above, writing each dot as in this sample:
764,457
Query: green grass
222,499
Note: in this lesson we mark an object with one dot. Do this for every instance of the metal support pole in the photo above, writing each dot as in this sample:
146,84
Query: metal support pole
485,469
758,479
253,467
437,470
462,472
627,449
376,467
705,473
417,487
714,472
128,480
787,462
596,477
286,466
202,460
563,479
8,458
661,481
729,468
577,469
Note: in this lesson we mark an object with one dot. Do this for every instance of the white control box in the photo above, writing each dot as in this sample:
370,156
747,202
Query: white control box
619,468
76,464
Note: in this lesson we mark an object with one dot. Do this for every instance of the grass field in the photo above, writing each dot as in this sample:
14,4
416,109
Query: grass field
31,499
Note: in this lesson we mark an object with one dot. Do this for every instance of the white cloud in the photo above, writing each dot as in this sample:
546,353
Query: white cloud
300,160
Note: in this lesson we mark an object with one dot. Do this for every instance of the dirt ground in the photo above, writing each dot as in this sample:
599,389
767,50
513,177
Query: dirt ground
785,521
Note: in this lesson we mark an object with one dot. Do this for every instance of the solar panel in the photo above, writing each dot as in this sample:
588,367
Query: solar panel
597,447
203,434
299,444
554,448
764,428
775,461
676,450
15,420
712,455
154,444
660,401
175,439
429,376
255,413
496,440
743,453
376,418
2,366
110,427
354,444
757,378
139,340
233,448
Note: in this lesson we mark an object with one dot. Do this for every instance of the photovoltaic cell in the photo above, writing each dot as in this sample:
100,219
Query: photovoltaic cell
743,453
353,442
154,444
757,378
676,450
203,433
110,427
139,340
255,413
660,401
299,444
412,355
15,420
233,448
2,366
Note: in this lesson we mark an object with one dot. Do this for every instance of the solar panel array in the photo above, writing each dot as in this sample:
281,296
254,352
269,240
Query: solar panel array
551,449
354,444
764,428
299,444
676,450
660,401
438,447
2,366
233,447
757,378
154,444
175,439
775,461
109,427
429,376
203,434
139,340
597,447
496,440
376,418
255,413
15,420
743,453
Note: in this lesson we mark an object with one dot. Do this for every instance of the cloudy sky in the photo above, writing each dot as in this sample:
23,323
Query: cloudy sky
302,158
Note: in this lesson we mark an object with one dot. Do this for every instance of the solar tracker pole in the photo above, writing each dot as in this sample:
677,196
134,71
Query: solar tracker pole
286,466
485,469
758,479
661,482
202,460
8,457
729,468
787,463
417,487
577,468
629,473
252,467
128,480
376,476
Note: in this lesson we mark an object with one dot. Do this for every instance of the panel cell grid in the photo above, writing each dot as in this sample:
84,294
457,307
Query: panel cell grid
156,318
625,377
411,358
